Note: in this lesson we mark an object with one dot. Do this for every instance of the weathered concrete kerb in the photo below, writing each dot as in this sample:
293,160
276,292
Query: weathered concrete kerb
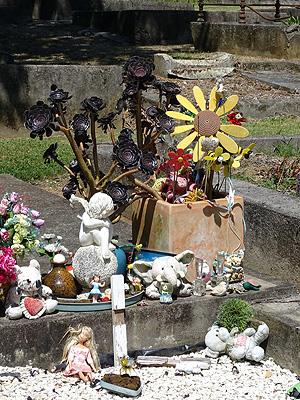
22,85
186,321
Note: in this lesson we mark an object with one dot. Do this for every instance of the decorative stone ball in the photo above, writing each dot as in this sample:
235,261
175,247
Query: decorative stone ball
59,258
88,261
209,144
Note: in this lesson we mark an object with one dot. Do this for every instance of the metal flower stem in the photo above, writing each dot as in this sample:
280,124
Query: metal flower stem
61,114
175,182
84,168
95,154
55,159
138,119
147,188
112,135
210,184
105,178
132,171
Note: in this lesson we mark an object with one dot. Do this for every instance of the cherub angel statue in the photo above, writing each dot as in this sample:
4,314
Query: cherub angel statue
96,228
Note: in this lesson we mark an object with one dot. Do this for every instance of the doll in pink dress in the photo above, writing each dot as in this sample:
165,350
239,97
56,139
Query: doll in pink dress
80,352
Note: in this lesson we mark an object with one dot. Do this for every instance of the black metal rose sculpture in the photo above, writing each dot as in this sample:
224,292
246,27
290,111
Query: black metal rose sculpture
138,69
125,151
148,163
39,119
118,192
93,105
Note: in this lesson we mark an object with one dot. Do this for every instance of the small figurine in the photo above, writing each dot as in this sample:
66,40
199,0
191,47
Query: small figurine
80,352
96,287
166,290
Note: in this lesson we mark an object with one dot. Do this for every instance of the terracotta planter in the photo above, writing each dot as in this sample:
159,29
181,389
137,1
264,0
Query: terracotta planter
199,226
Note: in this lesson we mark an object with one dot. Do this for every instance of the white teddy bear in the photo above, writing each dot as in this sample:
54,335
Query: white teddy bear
29,297
236,346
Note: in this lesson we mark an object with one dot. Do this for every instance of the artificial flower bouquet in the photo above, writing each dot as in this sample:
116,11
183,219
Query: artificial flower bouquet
19,225
7,269
209,127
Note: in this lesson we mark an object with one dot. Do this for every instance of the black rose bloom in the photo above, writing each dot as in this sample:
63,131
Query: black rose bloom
125,151
138,69
93,105
148,163
50,153
118,192
168,88
152,112
106,121
80,123
39,119
121,105
165,124
70,188
129,91
58,95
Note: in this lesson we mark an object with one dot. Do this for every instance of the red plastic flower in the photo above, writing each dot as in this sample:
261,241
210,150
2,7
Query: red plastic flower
179,159
236,118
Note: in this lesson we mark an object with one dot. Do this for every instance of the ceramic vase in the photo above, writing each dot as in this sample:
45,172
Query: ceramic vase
60,281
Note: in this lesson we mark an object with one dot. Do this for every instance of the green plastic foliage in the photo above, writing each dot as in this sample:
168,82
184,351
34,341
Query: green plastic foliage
235,313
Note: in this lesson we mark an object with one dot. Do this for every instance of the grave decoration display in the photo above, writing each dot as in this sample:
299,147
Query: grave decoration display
236,345
188,174
19,227
232,334
173,170
29,297
165,270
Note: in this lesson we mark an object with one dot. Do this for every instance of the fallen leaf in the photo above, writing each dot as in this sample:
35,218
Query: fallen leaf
268,374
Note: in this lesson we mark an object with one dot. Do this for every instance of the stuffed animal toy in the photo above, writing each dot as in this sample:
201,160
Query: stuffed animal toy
237,346
29,297
166,269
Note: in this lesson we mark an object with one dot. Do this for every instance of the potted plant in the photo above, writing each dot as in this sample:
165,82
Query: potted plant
175,193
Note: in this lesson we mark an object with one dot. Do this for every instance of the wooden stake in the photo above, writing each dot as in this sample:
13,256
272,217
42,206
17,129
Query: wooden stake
118,318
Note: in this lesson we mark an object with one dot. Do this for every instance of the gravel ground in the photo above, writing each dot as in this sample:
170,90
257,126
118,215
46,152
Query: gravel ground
225,379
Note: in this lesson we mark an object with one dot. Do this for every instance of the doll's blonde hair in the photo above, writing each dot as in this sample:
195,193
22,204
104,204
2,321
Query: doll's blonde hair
73,339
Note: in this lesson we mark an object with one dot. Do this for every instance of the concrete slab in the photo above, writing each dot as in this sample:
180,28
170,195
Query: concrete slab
185,322
277,79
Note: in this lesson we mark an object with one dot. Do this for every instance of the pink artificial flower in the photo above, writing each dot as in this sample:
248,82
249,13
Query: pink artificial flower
14,197
24,210
4,202
4,234
35,214
17,208
7,265
39,223
3,209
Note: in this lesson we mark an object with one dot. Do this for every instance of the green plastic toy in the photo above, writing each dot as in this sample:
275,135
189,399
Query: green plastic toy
294,391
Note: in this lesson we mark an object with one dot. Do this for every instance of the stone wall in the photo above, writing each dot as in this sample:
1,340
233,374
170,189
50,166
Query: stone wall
22,85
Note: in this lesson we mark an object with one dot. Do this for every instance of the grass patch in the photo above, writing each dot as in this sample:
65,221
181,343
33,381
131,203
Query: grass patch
274,126
23,158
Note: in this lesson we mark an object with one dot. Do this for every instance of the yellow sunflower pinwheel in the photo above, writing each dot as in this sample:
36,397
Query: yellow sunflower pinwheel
206,122
217,158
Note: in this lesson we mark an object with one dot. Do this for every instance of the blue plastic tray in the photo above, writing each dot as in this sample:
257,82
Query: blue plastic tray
74,305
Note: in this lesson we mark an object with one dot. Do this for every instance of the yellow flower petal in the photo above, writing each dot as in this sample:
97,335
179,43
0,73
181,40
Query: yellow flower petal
226,156
218,151
187,104
235,163
182,128
228,105
198,150
199,97
178,115
187,140
228,143
213,99
235,130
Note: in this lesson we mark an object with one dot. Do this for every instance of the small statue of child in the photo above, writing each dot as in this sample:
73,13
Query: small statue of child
96,287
